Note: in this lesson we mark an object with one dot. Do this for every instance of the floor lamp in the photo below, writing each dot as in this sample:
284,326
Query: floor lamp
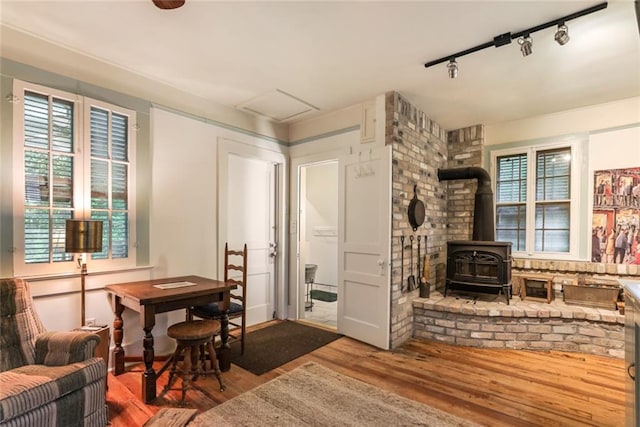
83,237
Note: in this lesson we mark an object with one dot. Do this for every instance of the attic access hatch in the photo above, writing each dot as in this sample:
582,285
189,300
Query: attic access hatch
277,105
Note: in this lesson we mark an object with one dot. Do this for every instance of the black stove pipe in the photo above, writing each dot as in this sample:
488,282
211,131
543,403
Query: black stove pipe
483,223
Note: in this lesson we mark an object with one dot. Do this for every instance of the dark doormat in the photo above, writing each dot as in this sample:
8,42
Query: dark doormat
323,295
273,346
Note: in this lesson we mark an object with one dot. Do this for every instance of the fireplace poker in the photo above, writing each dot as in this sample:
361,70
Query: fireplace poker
411,280
402,264
425,287
419,284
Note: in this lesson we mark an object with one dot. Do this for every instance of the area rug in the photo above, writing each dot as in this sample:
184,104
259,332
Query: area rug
267,348
313,395
325,296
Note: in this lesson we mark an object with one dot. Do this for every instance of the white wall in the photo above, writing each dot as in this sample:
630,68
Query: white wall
581,120
184,194
325,124
614,149
183,204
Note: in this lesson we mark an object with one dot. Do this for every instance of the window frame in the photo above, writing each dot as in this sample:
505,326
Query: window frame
531,151
81,206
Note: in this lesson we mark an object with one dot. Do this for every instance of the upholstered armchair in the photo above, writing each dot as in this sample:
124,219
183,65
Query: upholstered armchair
46,378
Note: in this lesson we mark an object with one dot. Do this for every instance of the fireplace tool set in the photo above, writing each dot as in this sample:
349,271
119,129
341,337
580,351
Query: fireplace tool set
415,213
422,271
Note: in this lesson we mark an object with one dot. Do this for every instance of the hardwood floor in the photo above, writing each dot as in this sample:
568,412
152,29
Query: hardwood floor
490,387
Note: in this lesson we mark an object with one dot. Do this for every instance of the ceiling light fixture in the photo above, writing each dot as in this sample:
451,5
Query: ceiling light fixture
526,44
452,66
561,36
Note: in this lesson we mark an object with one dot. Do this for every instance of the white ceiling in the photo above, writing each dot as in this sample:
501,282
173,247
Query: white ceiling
333,54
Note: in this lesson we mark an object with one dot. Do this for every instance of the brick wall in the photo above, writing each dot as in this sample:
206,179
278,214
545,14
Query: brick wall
521,325
418,149
465,148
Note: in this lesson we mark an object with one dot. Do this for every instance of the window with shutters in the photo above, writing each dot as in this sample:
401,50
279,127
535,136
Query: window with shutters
74,158
533,194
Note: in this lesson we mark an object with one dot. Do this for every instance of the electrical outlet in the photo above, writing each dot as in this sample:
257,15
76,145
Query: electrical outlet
91,321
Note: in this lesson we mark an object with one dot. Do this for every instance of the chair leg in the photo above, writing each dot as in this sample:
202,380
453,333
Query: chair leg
214,364
242,330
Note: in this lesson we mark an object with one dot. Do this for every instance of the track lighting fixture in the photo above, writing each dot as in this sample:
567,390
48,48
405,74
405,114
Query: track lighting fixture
526,44
523,37
562,34
452,66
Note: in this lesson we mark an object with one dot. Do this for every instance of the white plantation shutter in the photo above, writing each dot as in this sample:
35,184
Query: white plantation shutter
109,180
48,176
553,200
511,200
59,178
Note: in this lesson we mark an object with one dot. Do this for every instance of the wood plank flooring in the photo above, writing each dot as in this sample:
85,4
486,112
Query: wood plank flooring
490,387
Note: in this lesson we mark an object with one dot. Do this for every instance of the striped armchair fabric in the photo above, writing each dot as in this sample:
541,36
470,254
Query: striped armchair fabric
46,378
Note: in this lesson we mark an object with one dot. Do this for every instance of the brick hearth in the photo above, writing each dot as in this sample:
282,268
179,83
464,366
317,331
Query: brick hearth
487,321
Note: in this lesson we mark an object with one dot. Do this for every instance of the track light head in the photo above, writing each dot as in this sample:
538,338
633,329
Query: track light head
526,45
562,35
452,68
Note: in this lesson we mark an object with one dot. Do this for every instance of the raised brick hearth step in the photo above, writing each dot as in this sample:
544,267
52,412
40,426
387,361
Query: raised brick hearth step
487,321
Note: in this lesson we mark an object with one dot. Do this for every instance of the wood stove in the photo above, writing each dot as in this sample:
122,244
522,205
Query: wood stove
479,266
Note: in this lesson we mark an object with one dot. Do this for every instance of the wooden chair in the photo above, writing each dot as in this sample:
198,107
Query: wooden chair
234,272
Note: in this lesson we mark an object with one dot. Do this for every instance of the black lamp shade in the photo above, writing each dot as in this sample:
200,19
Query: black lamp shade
83,236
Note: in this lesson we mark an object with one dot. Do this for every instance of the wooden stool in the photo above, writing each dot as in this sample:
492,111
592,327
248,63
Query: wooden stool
194,340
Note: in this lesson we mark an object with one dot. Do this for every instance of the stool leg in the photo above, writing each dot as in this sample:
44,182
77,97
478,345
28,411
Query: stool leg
186,379
195,362
214,364
203,358
174,365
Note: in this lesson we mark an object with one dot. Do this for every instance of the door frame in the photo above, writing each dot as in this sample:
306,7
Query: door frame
296,273
226,147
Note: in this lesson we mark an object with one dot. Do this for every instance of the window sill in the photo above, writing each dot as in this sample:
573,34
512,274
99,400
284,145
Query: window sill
69,283
58,276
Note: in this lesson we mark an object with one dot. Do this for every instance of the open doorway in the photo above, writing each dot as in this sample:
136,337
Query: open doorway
318,266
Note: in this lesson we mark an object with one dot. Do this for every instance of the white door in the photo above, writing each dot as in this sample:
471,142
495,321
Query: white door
364,224
247,212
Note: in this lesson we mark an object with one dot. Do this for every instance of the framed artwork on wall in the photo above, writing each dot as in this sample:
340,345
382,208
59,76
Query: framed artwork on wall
615,232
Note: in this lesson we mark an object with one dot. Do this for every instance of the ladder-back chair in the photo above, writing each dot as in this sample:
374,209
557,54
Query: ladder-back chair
235,271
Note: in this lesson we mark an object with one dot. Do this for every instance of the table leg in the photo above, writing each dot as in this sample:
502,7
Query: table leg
118,324
149,376
224,356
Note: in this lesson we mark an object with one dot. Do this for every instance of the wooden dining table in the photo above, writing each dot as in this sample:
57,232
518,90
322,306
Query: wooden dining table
151,297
